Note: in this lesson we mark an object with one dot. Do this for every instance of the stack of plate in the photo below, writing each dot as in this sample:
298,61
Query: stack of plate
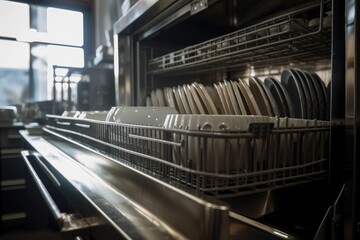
307,92
299,94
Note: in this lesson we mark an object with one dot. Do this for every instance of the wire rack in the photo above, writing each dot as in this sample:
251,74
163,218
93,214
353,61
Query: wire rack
277,41
223,164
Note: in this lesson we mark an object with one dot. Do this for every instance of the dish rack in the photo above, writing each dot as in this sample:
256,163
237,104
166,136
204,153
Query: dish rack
264,157
280,40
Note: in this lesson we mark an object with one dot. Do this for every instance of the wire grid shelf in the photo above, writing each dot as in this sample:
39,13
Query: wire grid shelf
223,164
277,41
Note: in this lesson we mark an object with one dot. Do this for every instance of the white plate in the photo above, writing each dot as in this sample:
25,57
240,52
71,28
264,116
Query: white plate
148,101
220,93
306,92
325,92
275,90
180,105
214,157
312,93
160,97
296,93
170,97
273,106
194,109
239,98
197,100
249,97
215,98
260,97
154,100
184,100
230,98
205,97
320,96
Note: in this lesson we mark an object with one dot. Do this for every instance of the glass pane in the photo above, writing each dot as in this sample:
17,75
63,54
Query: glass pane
65,26
14,72
65,56
14,18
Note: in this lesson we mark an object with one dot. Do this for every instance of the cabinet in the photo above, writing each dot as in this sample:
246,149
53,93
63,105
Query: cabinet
12,177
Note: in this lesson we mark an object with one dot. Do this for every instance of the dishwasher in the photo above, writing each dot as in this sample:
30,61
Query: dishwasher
277,175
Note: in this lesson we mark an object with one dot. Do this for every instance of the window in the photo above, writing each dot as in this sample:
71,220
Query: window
14,72
43,37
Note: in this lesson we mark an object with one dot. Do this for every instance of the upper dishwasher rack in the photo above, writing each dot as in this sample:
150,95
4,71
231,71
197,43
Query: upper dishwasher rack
284,39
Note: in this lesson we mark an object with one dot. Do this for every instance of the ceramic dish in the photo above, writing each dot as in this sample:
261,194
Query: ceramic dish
260,97
220,93
154,101
169,95
213,157
249,97
285,93
198,102
192,104
230,98
160,97
278,96
320,96
326,93
184,100
148,101
240,99
293,86
273,106
215,99
312,93
306,91
177,98
204,98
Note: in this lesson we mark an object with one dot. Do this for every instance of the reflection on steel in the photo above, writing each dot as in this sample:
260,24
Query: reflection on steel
135,204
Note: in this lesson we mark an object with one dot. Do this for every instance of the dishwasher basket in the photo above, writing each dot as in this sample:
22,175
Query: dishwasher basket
224,164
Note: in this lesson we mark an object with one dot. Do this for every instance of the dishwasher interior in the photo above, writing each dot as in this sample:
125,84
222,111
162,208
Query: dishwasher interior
218,171
211,42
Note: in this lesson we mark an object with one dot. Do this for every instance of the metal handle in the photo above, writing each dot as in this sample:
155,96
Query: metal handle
176,144
45,194
82,125
63,123
46,169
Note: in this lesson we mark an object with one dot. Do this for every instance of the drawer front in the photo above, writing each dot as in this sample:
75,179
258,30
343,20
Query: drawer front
12,167
10,138
12,200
